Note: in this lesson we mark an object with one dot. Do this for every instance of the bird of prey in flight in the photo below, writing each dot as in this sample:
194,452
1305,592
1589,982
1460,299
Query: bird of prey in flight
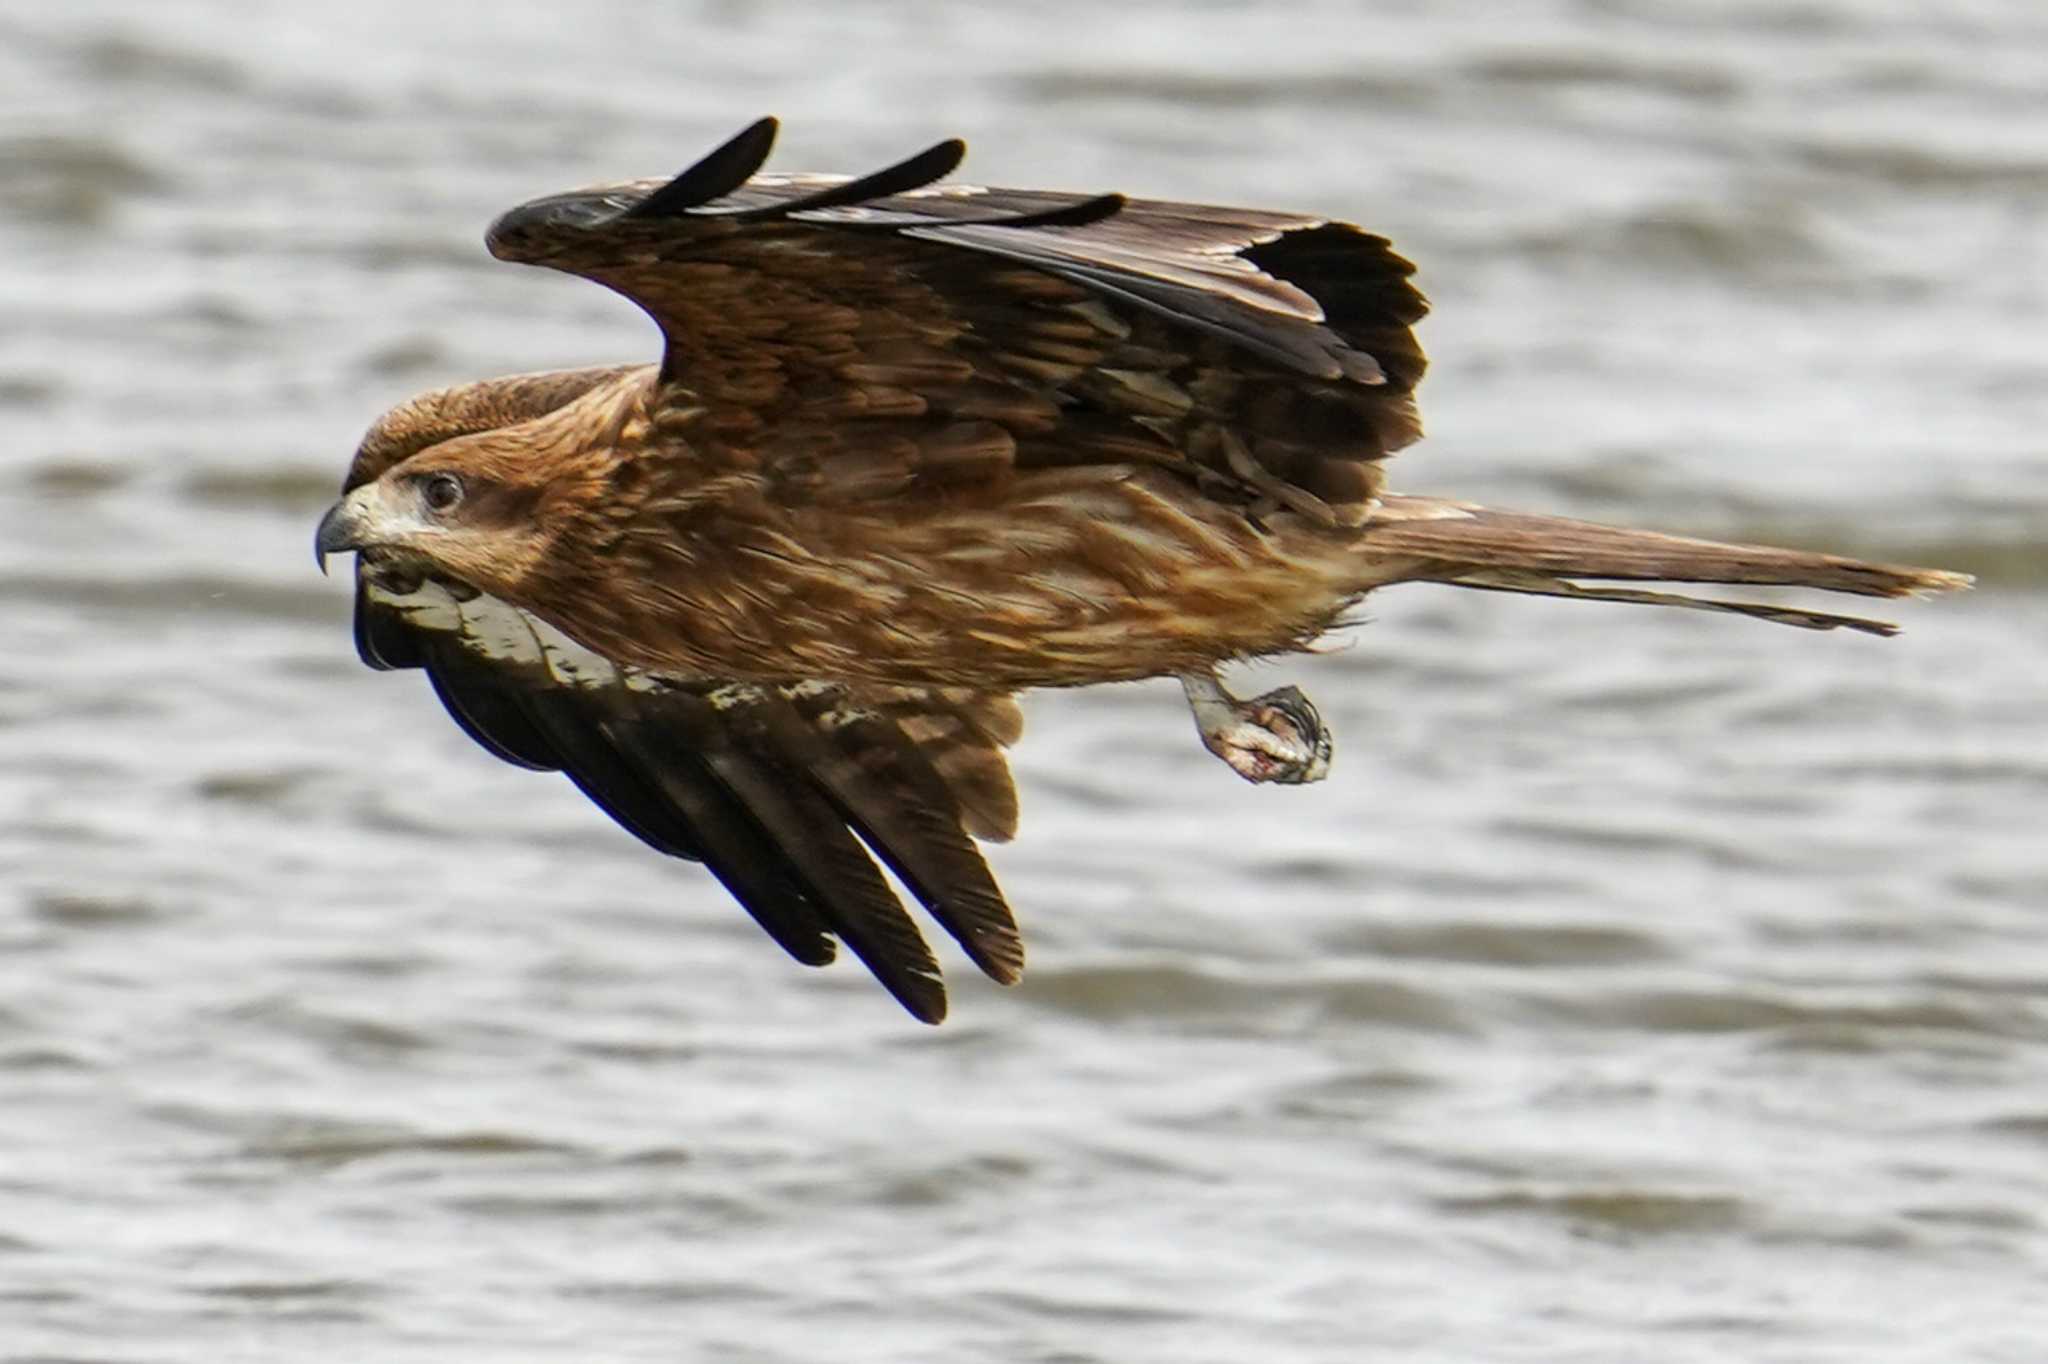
908,450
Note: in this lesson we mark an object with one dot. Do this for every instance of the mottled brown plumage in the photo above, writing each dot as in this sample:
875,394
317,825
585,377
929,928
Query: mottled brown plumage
908,451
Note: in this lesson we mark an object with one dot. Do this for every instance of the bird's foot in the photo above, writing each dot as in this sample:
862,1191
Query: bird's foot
1277,737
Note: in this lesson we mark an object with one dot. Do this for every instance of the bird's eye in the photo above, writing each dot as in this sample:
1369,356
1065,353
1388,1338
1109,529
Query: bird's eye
441,492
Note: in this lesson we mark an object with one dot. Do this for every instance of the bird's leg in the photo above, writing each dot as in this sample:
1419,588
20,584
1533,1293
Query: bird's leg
1276,737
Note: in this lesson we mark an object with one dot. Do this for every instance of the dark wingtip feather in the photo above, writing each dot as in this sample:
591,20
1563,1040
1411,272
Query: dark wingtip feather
933,163
713,177
1082,214
905,813
882,784
848,890
635,766
1074,215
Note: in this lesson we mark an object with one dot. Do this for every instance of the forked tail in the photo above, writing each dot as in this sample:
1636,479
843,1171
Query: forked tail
1501,551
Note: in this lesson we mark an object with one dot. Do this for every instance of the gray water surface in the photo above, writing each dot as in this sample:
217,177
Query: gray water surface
1643,986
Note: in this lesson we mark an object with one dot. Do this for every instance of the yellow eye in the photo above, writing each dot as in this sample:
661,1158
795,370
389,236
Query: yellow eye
441,492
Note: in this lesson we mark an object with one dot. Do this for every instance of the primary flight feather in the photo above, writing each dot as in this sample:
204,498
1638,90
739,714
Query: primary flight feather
909,450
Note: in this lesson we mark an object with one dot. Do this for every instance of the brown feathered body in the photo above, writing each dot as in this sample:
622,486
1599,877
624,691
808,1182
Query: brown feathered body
1054,576
929,557
909,451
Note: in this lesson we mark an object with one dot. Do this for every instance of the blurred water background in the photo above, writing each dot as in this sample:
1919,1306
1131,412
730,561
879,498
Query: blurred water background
1642,986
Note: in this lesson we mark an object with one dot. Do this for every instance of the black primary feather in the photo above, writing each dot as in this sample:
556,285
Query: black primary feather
933,163
888,791
841,878
713,177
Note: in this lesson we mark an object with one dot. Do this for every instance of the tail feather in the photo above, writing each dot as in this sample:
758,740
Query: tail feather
1501,551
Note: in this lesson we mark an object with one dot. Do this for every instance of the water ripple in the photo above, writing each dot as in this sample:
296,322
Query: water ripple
1642,984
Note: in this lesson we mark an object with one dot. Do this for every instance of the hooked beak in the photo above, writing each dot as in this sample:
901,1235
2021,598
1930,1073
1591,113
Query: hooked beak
339,530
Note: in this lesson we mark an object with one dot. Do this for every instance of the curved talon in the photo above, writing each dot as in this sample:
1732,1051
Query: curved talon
1293,721
1277,737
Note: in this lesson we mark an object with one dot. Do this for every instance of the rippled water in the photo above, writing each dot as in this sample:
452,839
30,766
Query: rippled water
1642,986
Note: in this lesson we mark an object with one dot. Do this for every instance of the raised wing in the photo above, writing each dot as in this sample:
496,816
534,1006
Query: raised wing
782,792
1268,356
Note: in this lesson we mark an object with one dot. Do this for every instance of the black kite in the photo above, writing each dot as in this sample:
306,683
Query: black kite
908,451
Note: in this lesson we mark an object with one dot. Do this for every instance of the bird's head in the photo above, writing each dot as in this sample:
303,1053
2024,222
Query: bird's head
465,509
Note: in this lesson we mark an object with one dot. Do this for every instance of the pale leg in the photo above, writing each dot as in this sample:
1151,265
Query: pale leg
1277,737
